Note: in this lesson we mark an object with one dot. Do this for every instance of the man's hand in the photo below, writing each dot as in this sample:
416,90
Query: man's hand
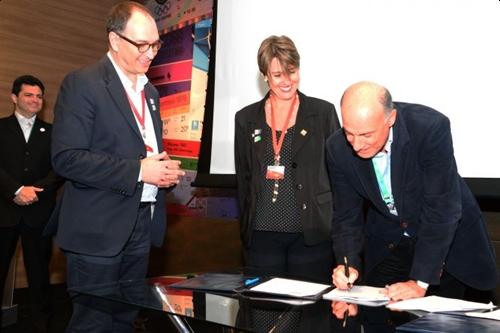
27,195
405,290
340,280
161,171
342,309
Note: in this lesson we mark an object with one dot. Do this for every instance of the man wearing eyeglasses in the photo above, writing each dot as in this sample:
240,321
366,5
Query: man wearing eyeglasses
107,141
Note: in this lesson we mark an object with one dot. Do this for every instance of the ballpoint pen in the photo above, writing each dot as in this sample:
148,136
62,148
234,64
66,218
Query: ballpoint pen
346,272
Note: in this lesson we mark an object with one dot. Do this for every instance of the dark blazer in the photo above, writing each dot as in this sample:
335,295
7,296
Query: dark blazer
316,120
433,202
26,163
97,146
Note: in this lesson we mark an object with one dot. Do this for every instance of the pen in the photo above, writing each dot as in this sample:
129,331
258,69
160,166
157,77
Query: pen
251,281
344,321
346,272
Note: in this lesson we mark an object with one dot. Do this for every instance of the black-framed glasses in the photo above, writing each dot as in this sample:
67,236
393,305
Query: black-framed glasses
142,47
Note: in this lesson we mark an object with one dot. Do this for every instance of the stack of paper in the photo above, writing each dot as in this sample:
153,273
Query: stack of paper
439,304
488,315
363,295
291,288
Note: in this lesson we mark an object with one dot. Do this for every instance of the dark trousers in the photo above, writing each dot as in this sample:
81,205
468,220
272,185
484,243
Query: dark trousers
396,268
93,315
286,254
37,250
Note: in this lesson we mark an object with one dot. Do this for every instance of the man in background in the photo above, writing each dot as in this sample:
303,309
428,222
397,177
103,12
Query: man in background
28,189
398,194
107,142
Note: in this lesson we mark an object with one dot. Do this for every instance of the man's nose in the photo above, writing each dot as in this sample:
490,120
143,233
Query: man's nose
357,143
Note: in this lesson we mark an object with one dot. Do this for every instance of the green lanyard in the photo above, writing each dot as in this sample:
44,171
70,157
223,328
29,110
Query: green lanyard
383,173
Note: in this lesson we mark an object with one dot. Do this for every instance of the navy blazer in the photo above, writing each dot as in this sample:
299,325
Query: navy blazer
316,120
435,207
97,146
26,163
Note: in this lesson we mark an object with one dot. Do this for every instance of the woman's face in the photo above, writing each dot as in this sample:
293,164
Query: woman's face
282,85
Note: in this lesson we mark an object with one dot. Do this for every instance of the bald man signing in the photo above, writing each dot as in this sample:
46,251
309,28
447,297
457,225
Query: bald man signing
400,203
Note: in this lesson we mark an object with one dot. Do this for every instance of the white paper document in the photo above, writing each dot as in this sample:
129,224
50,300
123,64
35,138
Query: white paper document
487,315
363,295
439,304
287,287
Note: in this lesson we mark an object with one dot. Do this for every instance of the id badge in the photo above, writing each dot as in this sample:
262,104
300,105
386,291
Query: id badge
275,172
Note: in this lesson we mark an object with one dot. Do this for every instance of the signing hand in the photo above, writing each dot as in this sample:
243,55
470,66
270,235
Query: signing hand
405,290
340,280
27,195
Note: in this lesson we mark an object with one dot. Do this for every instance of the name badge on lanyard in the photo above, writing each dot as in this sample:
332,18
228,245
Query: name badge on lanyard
275,172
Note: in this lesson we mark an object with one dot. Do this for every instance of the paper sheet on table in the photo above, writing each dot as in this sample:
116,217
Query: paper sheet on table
289,287
439,304
487,315
363,295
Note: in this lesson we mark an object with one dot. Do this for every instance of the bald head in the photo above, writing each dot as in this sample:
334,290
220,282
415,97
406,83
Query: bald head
367,116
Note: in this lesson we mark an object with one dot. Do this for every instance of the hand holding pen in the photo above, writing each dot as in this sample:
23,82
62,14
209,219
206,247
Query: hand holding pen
346,272
344,275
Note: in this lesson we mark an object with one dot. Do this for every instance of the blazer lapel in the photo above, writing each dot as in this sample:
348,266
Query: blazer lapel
366,175
399,157
256,127
304,125
15,128
118,94
154,110
37,130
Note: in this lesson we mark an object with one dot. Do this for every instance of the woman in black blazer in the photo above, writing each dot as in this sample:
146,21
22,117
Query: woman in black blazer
284,192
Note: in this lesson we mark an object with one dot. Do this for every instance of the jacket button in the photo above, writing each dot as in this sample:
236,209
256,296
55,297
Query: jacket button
141,156
26,169
390,246
300,187
294,165
304,206
27,153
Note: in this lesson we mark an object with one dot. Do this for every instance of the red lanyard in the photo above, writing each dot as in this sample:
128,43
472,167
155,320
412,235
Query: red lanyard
278,143
140,117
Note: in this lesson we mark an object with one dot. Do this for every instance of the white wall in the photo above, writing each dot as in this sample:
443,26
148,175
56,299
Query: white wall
441,53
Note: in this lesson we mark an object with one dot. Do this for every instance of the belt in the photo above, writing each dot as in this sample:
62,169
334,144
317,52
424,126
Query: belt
146,204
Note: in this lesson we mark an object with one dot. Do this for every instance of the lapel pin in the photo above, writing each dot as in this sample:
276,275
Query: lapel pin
42,129
303,132
256,135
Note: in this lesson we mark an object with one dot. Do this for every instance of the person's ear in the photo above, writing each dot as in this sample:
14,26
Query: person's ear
392,117
13,98
113,41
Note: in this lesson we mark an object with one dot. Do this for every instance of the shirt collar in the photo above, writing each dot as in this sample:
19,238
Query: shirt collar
142,79
23,119
387,147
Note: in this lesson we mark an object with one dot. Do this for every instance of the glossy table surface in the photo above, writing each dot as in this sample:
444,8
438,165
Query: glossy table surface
232,312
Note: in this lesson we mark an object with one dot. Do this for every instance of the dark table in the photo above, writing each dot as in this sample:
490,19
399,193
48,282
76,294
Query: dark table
202,311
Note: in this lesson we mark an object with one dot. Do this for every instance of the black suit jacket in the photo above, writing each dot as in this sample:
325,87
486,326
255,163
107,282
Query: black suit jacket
433,202
26,163
316,120
97,146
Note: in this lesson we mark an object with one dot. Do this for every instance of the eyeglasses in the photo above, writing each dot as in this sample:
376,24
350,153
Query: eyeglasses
142,47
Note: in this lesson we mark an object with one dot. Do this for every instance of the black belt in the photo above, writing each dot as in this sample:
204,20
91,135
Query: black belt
145,204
